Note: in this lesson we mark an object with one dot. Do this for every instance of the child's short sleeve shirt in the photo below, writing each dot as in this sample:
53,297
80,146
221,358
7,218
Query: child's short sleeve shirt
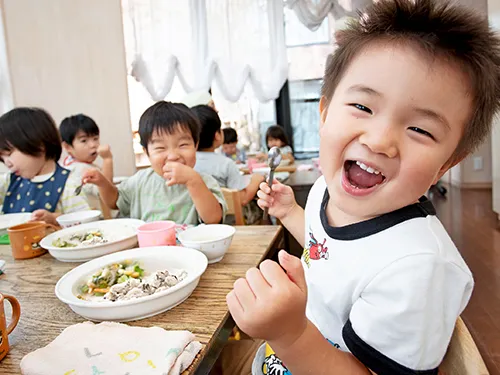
146,196
389,290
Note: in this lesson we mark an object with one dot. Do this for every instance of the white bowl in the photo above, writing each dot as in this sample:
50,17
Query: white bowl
151,259
77,218
213,240
122,234
9,220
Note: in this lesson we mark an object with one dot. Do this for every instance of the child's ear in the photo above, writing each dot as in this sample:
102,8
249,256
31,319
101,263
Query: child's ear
449,164
67,147
323,110
219,137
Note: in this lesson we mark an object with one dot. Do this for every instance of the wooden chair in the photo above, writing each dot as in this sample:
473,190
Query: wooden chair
462,357
234,206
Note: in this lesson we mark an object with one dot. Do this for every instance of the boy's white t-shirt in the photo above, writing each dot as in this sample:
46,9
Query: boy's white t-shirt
389,290
90,191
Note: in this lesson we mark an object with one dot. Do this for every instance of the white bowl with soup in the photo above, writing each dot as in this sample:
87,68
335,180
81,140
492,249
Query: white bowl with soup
213,240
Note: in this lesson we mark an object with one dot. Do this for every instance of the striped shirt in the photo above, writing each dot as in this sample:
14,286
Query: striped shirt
69,202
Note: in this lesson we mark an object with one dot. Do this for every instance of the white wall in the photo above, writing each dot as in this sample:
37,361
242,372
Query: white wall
68,56
464,175
494,18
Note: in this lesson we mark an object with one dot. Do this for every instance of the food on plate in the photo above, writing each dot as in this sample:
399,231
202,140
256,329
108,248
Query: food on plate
87,238
100,282
127,280
134,288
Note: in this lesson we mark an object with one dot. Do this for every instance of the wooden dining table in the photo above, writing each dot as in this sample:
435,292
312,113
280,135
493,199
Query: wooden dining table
204,313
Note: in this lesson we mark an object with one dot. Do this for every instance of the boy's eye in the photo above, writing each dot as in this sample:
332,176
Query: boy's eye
362,108
422,131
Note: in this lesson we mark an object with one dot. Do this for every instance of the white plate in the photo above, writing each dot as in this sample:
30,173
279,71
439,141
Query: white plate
123,232
9,220
151,259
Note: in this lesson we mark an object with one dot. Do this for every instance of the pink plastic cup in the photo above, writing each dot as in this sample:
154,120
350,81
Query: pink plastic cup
157,233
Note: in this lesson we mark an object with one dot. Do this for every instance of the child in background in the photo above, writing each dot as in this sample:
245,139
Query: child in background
380,284
230,146
80,136
276,137
170,189
220,167
30,147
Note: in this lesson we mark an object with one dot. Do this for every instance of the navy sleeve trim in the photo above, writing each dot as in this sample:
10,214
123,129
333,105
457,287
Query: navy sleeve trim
373,359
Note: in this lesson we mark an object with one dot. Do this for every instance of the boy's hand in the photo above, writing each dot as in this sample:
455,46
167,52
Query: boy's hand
93,176
104,151
280,201
44,215
270,304
179,174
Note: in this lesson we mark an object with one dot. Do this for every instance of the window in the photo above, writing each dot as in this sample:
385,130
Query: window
307,54
304,114
296,34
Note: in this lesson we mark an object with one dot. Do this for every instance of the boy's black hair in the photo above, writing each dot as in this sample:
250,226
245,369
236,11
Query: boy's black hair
210,124
32,131
167,117
230,136
438,29
71,125
277,132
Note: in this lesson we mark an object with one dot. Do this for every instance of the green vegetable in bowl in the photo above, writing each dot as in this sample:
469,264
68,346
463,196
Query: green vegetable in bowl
100,282
62,243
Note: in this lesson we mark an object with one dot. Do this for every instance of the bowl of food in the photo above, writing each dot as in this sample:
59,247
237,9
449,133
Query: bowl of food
132,284
213,240
77,218
91,240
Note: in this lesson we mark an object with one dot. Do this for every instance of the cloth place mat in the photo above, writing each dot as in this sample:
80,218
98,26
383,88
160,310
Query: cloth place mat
113,348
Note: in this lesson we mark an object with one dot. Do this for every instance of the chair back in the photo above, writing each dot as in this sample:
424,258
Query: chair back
234,206
462,357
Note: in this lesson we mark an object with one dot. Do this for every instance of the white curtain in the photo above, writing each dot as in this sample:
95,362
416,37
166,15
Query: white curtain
312,12
205,42
6,98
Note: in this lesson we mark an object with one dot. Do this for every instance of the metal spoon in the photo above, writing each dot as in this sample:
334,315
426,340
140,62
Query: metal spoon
78,190
273,160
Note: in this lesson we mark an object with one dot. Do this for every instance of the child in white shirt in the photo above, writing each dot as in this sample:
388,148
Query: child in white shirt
410,91
80,139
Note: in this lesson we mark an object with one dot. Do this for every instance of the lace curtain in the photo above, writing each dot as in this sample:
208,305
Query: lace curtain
312,12
226,43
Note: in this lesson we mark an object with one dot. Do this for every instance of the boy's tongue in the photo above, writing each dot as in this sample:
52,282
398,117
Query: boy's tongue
361,178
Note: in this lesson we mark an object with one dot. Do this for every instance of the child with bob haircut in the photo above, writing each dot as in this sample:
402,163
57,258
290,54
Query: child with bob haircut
30,147
170,189
410,91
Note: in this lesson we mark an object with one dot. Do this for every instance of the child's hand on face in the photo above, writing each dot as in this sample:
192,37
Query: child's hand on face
280,201
270,304
179,174
93,176
44,215
104,152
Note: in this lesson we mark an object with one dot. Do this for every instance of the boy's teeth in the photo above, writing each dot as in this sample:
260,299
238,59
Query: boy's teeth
367,168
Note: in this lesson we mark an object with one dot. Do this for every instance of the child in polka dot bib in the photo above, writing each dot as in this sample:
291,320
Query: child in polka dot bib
30,147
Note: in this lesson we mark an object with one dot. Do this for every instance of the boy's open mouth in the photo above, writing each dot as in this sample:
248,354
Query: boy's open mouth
361,176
